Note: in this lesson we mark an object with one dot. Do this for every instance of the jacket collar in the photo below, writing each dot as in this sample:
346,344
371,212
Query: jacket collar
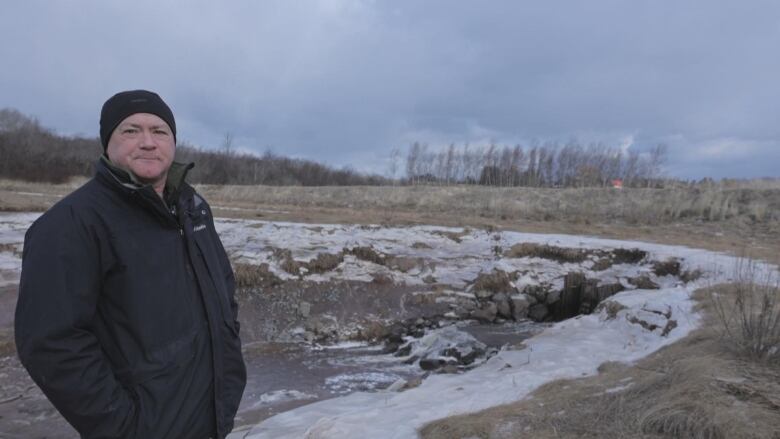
174,183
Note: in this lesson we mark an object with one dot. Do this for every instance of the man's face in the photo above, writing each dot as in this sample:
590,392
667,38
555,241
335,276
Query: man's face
144,145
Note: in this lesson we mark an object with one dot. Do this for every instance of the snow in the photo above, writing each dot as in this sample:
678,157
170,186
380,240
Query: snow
12,230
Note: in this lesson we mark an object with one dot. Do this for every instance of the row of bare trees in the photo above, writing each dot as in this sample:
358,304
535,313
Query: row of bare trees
31,152
34,153
548,165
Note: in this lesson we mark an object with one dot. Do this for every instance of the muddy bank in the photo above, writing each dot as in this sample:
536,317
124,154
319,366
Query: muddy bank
303,311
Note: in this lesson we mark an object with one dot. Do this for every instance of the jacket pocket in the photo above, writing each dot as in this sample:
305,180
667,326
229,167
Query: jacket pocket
162,360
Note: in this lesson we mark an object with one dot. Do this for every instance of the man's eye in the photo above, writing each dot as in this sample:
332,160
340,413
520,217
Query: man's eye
161,132
130,131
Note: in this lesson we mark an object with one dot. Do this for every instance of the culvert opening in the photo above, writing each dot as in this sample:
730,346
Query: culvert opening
595,275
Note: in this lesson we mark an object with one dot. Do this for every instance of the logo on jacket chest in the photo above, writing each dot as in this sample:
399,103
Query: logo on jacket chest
199,227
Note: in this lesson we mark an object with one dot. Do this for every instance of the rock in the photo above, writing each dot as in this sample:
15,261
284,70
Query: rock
464,357
443,346
643,282
449,368
324,326
390,348
552,297
628,255
402,264
690,275
403,350
503,306
324,262
483,294
487,313
381,278
366,254
666,268
304,309
498,281
396,333
520,305
544,251
537,292
538,312
601,264
611,308
431,363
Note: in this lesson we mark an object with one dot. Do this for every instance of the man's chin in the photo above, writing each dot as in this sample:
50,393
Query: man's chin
147,177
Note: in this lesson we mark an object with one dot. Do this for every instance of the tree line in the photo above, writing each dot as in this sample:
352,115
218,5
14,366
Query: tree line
548,165
31,152
34,153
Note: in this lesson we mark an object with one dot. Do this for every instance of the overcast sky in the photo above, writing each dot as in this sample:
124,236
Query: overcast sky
346,81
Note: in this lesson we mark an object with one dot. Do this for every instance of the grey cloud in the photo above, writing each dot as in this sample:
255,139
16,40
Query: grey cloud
344,82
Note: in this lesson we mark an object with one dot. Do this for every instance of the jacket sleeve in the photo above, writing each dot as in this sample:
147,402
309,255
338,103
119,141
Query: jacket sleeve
58,297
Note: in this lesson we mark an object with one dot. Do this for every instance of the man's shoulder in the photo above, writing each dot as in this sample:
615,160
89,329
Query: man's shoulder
198,201
77,207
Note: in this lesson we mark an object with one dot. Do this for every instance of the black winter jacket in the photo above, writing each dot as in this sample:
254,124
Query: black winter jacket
126,317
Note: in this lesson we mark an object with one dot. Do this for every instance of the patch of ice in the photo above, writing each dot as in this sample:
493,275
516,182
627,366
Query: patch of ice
278,396
619,388
343,345
361,381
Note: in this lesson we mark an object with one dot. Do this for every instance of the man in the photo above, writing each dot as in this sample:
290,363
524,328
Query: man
126,317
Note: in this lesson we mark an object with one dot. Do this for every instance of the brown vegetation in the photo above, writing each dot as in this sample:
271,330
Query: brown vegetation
671,216
715,204
559,254
749,312
251,275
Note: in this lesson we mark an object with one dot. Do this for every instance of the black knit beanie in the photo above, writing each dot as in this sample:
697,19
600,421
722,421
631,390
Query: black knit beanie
123,104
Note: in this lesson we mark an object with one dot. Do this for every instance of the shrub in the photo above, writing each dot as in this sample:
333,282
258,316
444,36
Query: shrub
750,311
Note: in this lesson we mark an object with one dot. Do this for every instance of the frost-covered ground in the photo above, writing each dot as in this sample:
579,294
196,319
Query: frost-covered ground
12,229
454,257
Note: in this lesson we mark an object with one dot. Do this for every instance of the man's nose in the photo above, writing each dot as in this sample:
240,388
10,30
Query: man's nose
147,140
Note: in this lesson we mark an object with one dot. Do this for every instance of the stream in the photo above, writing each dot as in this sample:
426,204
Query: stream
283,376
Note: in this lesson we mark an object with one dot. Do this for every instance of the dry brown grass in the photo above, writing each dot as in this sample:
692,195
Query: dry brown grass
251,275
729,217
750,311
696,388
560,254
635,206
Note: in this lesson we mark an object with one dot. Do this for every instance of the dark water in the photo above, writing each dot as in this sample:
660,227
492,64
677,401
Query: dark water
283,376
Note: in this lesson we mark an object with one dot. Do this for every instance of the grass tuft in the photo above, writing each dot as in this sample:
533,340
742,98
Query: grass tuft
750,312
